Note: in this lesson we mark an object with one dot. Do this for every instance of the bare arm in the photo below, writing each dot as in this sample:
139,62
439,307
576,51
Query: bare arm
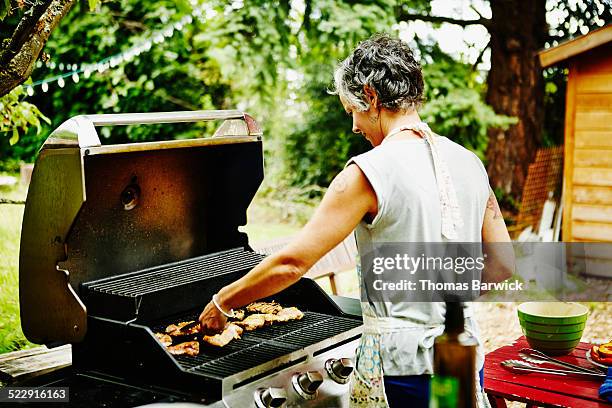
349,198
499,264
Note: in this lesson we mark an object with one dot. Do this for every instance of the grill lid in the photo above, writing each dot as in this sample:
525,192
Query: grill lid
95,211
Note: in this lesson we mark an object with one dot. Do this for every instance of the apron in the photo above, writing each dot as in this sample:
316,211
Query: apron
367,383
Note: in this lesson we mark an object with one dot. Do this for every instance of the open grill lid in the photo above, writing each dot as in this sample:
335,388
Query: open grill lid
96,211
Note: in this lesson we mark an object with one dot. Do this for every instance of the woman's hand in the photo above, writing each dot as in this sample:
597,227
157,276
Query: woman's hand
333,220
212,321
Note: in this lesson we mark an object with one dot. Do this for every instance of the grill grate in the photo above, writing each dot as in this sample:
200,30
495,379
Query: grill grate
166,294
180,273
260,346
319,331
244,359
210,353
278,331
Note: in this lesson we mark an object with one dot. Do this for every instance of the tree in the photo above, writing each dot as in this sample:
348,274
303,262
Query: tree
515,85
18,55
244,55
321,143
515,88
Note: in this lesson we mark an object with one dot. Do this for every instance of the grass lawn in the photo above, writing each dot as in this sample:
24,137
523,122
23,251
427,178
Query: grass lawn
11,336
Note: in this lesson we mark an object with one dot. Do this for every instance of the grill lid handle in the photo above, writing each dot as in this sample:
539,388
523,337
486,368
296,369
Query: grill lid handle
81,128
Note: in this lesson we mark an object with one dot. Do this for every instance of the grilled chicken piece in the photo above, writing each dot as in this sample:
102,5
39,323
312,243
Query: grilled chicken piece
238,314
288,314
177,329
269,318
252,322
164,339
264,307
191,348
228,334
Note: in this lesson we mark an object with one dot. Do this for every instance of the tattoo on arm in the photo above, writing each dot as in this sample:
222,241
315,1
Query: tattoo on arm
493,206
339,184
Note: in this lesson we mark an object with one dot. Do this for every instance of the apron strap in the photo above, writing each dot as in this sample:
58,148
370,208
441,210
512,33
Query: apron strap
449,205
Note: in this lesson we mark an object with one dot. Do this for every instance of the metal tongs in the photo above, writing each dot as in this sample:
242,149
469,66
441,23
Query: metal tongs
521,366
191,325
537,357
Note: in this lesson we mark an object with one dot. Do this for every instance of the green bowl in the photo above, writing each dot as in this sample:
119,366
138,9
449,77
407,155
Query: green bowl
554,328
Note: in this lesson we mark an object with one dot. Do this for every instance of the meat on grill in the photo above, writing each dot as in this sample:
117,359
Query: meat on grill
228,334
232,331
164,339
252,322
288,314
177,329
264,307
255,321
238,314
191,348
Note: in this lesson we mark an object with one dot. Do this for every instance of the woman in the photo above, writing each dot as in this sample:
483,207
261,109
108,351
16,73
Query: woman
412,186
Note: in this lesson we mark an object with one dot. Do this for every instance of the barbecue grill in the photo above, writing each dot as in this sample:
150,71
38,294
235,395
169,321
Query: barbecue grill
119,241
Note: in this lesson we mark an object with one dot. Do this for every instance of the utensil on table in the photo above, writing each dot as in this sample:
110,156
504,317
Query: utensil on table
537,357
521,366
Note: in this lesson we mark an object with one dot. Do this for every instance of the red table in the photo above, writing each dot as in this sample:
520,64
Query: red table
540,389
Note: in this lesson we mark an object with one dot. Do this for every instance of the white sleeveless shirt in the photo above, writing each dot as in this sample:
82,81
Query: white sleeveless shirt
402,175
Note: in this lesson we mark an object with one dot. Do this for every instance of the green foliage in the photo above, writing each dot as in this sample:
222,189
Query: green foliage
173,75
580,17
318,149
462,116
8,7
242,57
321,143
454,104
18,115
555,85
11,336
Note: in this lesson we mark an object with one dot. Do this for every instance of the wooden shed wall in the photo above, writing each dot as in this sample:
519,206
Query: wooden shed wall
588,148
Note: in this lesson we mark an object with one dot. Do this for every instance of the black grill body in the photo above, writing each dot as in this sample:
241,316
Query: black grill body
118,241
125,311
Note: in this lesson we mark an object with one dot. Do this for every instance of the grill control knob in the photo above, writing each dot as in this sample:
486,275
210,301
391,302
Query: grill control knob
306,384
270,397
340,369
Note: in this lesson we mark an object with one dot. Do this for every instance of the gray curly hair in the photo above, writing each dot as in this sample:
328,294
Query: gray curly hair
386,65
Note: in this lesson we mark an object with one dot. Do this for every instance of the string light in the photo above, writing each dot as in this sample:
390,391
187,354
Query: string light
86,69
